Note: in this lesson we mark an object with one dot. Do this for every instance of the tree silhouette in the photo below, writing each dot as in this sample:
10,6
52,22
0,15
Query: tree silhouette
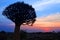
20,13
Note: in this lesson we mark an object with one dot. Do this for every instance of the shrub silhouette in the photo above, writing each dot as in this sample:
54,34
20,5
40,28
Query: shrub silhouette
20,13
23,34
3,35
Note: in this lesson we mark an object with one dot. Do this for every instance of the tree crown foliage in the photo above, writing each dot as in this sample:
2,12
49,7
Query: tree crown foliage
20,12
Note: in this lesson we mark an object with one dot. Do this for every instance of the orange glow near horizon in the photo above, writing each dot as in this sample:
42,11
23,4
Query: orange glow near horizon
47,24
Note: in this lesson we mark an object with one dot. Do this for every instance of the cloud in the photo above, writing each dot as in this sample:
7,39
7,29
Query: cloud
42,5
54,17
52,20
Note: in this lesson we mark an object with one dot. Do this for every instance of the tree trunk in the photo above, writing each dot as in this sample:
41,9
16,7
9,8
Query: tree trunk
17,32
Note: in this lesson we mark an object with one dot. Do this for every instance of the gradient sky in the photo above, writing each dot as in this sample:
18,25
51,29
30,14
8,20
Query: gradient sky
48,16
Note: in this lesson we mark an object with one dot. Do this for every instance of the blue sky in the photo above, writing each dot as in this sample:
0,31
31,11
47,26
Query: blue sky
45,9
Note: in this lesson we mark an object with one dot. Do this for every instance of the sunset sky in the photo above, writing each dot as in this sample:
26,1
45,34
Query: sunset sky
47,11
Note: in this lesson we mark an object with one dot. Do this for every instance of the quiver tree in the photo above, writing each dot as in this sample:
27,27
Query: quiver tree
20,13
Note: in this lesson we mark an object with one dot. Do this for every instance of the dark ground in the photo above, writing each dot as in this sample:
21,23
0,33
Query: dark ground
31,36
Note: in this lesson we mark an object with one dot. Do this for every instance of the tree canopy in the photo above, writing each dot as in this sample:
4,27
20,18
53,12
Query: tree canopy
20,12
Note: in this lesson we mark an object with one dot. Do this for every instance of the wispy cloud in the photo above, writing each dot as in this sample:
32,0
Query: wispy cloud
54,17
42,5
52,20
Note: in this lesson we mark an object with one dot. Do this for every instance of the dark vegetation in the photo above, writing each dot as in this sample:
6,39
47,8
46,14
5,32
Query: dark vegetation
20,13
31,36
